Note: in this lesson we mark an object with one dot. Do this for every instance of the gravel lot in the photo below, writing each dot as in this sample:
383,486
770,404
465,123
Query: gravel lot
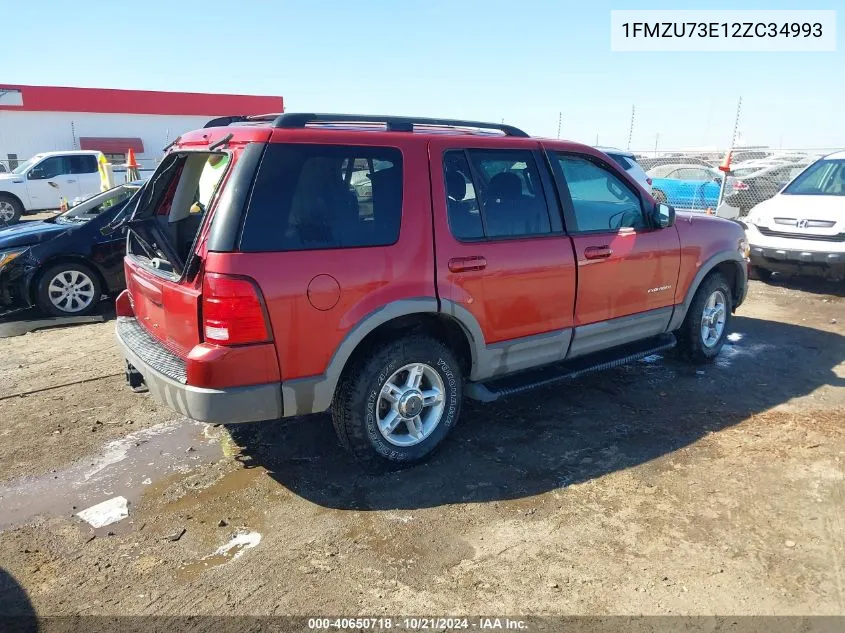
657,488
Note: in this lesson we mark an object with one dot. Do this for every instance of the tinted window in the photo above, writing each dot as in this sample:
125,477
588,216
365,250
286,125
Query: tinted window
324,196
50,167
461,202
600,200
494,194
82,164
823,178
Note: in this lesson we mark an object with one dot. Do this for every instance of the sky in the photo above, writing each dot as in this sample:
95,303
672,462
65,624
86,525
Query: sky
526,62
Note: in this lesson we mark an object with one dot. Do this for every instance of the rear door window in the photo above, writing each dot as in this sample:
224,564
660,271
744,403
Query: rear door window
82,164
324,196
494,194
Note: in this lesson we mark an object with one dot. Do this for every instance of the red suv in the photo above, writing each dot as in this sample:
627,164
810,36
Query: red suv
385,267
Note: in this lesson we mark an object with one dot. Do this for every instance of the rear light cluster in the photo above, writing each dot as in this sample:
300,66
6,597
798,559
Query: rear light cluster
738,185
232,311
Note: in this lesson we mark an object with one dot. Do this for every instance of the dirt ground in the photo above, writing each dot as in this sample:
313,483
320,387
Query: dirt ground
656,488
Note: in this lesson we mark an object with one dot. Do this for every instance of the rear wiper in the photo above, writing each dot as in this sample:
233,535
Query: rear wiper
223,141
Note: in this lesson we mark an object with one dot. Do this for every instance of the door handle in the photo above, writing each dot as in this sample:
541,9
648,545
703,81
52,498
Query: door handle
71,180
598,252
466,264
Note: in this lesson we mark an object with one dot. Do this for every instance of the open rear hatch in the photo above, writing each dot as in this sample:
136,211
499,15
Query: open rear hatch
163,259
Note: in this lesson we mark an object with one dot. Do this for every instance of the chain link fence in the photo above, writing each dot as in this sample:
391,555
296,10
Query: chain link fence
691,180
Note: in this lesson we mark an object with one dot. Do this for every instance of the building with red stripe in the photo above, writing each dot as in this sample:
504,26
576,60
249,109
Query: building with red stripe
43,118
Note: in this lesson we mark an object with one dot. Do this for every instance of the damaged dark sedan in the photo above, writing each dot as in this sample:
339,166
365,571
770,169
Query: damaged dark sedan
64,265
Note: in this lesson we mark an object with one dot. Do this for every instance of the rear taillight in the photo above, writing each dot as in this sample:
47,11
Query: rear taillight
232,311
738,185
648,180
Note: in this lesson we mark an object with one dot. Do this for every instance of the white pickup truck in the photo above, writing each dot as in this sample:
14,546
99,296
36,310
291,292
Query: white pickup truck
41,182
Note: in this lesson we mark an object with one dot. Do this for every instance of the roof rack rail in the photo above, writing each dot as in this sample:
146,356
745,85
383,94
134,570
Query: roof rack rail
224,121
393,123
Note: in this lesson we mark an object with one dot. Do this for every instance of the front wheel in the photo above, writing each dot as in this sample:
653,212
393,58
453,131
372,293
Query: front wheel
396,405
705,327
10,210
69,289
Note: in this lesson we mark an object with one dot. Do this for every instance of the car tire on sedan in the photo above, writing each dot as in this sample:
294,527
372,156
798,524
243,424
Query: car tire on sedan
68,289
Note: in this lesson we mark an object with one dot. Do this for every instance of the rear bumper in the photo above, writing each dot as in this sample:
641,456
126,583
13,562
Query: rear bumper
252,403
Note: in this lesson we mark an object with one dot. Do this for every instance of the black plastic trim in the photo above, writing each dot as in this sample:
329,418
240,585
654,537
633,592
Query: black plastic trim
227,221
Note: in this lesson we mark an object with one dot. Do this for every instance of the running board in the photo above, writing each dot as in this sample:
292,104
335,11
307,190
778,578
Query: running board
495,388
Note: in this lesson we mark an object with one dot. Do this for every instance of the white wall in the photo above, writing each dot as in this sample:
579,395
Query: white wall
27,133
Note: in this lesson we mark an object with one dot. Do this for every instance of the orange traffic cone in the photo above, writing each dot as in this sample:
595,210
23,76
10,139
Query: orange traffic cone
726,162
709,210
132,169
63,204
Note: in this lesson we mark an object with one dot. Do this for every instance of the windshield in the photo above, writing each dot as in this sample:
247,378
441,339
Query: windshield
26,165
823,178
93,207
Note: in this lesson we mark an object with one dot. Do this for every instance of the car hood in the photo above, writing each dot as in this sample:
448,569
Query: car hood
29,234
7,175
823,215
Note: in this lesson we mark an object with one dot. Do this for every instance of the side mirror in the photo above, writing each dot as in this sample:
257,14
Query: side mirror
36,173
663,215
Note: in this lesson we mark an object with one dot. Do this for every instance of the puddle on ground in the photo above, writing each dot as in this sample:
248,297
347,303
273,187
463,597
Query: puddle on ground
125,467
237,545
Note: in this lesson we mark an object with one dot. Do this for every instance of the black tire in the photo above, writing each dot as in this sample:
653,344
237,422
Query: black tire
690,341
763,274
42,292
358,396
7,201
658,195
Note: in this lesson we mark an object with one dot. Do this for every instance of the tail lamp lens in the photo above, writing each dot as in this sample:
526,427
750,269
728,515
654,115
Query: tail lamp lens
232,311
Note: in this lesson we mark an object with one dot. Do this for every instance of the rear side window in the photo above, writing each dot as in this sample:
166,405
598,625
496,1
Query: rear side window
494,194
82,164
622,161
324,196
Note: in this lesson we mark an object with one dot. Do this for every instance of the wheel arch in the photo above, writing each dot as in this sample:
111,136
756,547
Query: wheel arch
315,394
730,264
63,259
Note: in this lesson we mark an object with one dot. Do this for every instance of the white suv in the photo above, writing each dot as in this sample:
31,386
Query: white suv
802,229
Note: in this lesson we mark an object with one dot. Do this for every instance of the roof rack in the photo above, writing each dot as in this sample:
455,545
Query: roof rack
224,121
393,123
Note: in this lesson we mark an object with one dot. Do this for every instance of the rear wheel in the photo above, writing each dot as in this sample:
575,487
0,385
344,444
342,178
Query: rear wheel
396,405
70,289
705,327
10,210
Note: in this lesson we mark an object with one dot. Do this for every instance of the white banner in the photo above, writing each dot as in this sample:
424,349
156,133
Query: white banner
723,30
